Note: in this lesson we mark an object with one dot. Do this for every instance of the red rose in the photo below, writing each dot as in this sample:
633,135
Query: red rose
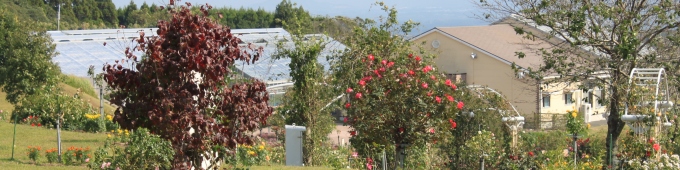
39,125
651,140
417,58
432,130
401,130
384,62
32,124
390,64
454,87
449,97
531,153
656,147
345,120
370,57
362,83
460,105
439,100
347,106
648,153
424,85
427,69
358,96
411,72
453,124
353,133
382,69
429,93
349,90
433,77
448,82
410,55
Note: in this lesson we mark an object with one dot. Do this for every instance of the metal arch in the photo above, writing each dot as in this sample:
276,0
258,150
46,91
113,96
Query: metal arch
477,89
641,76
517,118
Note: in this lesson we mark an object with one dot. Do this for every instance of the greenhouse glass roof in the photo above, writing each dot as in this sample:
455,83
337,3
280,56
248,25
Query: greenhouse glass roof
79,49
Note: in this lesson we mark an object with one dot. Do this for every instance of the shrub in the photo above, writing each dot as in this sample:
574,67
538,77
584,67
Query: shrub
52,155
93,123
141,150
34,153
48,105
75,155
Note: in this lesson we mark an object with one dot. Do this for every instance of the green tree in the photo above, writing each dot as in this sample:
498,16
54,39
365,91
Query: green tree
306,101
108,12
287,12
26,52
596,39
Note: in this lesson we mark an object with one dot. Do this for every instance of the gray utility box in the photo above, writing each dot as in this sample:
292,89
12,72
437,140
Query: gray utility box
294,140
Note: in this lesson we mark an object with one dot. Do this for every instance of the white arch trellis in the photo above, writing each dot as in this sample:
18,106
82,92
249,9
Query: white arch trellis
654,79
511,118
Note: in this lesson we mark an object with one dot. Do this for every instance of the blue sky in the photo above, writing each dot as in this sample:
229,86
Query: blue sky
430,13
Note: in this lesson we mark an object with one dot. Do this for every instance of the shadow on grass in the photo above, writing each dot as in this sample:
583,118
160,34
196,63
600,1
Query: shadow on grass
16,161
80,141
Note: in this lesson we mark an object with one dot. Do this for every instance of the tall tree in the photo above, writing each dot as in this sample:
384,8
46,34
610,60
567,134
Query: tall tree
596,39
310,93
179,90
108,12
26,52
296,17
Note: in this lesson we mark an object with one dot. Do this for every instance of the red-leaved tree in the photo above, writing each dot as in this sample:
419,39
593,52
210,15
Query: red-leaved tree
180,89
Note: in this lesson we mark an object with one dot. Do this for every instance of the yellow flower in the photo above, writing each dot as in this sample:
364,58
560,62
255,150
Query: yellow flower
587,157
261,147
588,126
266,157
574,114
109,135
109,117
251,153
120,131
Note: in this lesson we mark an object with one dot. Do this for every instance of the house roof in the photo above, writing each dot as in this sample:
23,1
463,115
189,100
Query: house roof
498,41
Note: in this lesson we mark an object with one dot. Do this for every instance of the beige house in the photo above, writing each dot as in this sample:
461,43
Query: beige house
484,55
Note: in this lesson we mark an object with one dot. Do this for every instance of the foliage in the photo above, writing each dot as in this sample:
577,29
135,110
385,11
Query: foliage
250,155
481,113
34,153
397,99
575,124
291,17
601,39
305,103
75,155
26,53
137,150
52,155
52,105
182,85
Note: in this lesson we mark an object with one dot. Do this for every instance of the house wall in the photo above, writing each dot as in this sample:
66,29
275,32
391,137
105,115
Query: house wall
454,57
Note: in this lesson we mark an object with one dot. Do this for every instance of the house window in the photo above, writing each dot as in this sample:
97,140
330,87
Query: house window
567,98
601,98
546,100
458,78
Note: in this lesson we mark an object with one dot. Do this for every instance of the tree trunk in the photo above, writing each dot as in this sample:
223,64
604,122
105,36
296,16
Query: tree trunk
614,125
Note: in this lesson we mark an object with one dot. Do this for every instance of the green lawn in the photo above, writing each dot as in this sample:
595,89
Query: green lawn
43,137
